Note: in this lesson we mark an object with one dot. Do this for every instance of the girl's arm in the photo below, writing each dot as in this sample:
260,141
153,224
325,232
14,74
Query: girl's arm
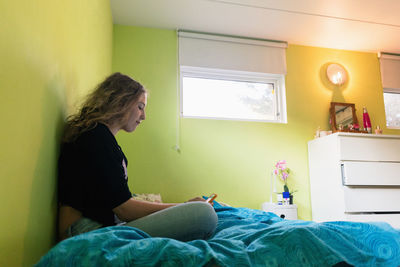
133,209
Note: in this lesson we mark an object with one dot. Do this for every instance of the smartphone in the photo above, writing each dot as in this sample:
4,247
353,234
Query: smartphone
211,198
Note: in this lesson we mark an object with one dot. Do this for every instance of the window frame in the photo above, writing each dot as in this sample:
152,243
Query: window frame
278,81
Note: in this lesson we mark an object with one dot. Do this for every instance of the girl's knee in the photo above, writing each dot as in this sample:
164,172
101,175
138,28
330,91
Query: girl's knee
207,218
204,209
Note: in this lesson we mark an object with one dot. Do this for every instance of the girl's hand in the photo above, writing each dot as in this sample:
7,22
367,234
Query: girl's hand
196,199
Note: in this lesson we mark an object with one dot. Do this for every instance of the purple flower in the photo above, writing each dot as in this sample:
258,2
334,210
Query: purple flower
281,170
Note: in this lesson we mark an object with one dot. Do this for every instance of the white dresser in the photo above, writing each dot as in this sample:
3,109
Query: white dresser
355,177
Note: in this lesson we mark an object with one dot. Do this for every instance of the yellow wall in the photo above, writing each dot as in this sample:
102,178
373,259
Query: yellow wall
312,93
233,158
52,53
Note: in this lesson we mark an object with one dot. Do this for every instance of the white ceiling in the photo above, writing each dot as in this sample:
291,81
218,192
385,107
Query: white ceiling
361,25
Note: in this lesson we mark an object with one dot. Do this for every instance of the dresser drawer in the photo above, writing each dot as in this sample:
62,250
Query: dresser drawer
376,199
369,148
371,173
393,219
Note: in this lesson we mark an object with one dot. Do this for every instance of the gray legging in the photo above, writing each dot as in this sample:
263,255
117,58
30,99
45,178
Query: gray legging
184,222
187,221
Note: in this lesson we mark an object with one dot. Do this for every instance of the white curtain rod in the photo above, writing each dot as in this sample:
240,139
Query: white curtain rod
386,55
232,38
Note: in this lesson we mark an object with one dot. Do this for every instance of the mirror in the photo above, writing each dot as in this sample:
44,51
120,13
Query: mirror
343,117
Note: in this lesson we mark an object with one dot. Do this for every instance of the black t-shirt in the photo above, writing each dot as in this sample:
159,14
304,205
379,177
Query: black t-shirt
92,176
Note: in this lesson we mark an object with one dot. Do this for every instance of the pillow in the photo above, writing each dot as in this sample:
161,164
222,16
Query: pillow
148,197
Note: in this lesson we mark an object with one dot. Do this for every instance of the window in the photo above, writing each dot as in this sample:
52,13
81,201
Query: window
392,109
390,69
232,95
232,77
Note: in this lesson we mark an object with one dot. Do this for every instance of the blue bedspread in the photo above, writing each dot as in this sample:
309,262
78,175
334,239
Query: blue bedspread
244,237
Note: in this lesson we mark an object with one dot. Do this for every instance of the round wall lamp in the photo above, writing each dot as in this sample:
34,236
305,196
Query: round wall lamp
336,74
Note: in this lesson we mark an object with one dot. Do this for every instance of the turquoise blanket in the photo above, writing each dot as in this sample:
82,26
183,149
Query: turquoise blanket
244,237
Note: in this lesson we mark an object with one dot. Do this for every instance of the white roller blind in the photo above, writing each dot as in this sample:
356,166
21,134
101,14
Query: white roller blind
390,72
231,53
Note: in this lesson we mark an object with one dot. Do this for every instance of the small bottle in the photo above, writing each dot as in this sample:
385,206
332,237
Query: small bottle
378,130
286,198
366,120
279,199
318,132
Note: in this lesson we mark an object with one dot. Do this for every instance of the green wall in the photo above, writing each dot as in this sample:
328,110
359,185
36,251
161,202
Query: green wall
233,158
52,53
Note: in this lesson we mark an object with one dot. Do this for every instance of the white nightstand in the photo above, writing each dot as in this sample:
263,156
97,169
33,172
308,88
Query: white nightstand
288,212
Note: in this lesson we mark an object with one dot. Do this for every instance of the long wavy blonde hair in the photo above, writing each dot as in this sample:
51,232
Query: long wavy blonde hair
107,104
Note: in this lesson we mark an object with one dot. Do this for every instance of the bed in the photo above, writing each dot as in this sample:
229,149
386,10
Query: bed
244,237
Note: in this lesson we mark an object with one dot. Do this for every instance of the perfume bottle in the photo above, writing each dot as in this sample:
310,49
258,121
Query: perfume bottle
378,130
286,198
366,120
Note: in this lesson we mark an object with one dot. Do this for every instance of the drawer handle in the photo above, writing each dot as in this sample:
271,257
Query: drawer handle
343,174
